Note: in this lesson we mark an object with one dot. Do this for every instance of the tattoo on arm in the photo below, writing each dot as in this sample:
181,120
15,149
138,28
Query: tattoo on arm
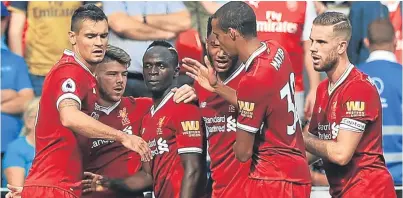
68,103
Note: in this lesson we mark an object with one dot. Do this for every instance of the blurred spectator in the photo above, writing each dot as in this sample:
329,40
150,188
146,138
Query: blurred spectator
200,12
320,7
386,73
48,24
16,88
290,23
135,24
395,15
20,152
362,13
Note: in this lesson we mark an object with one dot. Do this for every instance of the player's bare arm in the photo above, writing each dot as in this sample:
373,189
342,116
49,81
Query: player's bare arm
185,94
339,152
139,182
243,146
193,172
79,122
208,79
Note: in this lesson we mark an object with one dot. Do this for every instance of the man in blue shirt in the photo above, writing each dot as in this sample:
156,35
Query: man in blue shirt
16,88
386,73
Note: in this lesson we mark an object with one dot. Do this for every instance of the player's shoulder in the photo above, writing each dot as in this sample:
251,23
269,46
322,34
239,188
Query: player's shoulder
273,56
141,104
360,82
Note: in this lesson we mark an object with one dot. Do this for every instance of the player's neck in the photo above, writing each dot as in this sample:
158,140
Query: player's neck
224,75
105,103
251,46
338,70
86,64
158,96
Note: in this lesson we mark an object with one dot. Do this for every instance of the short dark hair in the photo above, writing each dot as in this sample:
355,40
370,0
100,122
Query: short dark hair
114,53
338,20
167,45
209,27
376,36
237,15
84,12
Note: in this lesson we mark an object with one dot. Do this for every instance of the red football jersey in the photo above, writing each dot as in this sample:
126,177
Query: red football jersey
111,158
289,23
267,109
171,129
219,117
58,154
353,104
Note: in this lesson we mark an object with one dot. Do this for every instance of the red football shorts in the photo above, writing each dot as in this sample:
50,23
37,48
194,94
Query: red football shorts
45,191
275,189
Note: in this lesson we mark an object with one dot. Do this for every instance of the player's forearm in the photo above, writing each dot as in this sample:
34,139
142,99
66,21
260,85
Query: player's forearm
175,22
139,182
190,181
328,150
227,93
85,125
16,105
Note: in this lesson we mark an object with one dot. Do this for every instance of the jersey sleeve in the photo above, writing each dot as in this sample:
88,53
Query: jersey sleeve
69,82
252,104
189,134
360,105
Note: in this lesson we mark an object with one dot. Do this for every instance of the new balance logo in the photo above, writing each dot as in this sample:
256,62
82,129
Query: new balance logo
190,125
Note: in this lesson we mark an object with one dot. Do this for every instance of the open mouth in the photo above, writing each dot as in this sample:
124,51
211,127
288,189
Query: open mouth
118,89
222,63
315,59
98,52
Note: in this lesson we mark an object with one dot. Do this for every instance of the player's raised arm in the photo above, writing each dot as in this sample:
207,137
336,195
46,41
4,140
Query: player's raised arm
207,78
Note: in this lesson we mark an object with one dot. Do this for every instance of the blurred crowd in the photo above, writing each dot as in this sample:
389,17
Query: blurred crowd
35,34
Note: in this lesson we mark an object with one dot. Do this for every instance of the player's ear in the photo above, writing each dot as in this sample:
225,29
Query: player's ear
342,47
232,33
72,37
176,72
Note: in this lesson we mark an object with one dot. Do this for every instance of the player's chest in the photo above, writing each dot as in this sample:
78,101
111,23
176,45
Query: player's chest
328,117
159,133
219,117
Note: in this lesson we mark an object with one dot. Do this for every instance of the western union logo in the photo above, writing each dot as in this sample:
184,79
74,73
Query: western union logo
355,106
190,125
246,106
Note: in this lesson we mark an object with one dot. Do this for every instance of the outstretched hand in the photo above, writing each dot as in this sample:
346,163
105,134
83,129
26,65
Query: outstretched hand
93,183
205,75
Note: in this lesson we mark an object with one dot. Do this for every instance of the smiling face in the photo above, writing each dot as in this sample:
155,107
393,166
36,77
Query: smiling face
221,61
112,79
91,40
159,69
324,48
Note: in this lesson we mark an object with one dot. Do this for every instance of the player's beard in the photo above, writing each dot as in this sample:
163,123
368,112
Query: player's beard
331,60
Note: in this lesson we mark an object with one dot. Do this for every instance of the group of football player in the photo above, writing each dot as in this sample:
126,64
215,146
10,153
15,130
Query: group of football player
93,142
